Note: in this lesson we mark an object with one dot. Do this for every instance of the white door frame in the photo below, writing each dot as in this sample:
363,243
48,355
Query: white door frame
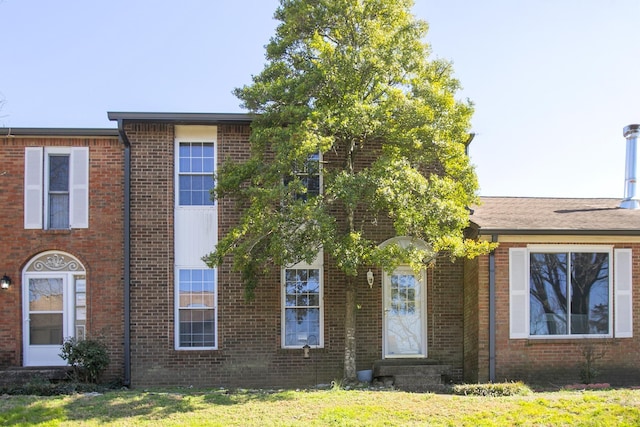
50,265
390,347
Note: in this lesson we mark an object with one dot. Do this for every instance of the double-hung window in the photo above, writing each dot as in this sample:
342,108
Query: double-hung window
196,308
195,235
196,164
310,177
58,191
570,291
302,311
56,195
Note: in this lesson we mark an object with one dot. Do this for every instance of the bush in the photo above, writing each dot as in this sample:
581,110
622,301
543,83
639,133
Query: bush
41,387
492,389
88,358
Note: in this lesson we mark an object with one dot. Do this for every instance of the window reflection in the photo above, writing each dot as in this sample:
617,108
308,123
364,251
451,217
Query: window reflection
569,293
302,307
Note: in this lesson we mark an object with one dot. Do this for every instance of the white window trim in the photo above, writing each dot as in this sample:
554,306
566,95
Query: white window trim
49,151
187,134
176,291
519,305
184,217
316,264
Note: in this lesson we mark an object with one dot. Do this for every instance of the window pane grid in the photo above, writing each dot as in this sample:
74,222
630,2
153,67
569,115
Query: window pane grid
196,308
302,307
196,167
309,176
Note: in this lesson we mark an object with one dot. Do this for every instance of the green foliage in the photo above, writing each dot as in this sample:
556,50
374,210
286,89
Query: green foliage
492,389
42,387
88,358
197,407
349,80
344,78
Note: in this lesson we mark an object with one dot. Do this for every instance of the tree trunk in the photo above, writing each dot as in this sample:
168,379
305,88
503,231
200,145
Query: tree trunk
350,332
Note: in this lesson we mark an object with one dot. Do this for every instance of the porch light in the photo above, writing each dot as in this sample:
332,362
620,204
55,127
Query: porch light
5,282
370,278
305,351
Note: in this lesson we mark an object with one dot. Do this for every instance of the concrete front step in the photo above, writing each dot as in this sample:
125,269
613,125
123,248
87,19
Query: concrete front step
20,376
412,375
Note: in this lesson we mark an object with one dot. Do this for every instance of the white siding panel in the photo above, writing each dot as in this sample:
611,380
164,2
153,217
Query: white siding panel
196,235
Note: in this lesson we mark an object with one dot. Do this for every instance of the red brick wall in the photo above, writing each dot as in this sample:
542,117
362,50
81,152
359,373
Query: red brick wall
249,333
99,247
553,361
471,319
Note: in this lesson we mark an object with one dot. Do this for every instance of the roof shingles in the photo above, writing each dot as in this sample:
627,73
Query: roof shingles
529,215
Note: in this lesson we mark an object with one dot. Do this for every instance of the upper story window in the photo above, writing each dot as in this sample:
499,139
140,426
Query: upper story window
58,191
309,174
570,291
195,168
56,194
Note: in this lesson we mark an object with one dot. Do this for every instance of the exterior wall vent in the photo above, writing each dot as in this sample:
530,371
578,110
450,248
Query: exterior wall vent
631,201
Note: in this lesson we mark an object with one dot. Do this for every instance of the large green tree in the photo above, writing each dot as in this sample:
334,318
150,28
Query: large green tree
348,78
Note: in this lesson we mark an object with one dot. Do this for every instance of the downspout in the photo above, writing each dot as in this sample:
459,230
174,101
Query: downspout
127,253
492,312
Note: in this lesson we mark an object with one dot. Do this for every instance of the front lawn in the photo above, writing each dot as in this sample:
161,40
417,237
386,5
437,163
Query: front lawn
186,407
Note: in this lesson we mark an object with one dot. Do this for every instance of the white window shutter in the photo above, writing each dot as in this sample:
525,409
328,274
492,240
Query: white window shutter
33,170
79,188
518,293
622,286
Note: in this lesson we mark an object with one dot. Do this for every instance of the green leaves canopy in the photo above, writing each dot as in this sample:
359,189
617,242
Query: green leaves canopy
347,78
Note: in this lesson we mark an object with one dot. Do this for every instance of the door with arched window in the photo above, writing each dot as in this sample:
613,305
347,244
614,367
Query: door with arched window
54,306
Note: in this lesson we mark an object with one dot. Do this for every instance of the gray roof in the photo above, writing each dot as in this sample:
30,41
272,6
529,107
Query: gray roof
187,118
58,132
538,215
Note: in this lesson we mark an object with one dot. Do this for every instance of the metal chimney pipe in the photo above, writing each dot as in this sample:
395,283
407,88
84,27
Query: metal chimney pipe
631,201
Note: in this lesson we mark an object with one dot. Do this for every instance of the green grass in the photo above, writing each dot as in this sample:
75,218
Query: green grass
321,408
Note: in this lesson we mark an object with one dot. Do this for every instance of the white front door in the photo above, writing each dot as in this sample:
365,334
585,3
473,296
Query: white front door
46,313
54,306
404,314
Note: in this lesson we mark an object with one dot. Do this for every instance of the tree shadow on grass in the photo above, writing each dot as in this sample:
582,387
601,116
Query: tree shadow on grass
35,413
226,397
159,405
114,406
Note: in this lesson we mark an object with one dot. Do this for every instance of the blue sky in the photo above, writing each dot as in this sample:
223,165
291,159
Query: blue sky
553,81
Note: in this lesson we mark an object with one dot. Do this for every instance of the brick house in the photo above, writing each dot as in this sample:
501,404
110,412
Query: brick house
170,320
526,318
191,326
555,303
62,242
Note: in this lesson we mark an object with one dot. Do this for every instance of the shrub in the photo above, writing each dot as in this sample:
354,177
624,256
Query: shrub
88,358
492,389
592,354
41,387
